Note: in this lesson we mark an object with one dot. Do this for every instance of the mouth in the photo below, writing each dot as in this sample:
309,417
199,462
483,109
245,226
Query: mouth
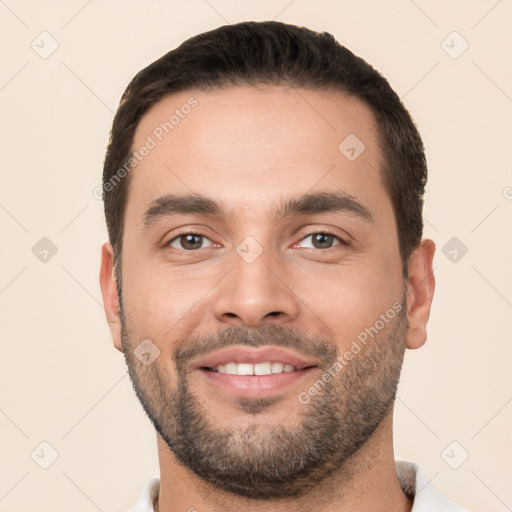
249,372
265,368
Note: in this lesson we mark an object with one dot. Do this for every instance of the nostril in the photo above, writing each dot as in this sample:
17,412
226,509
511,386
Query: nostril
274,313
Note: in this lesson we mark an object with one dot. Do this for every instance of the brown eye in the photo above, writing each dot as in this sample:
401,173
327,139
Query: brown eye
321,241
188,241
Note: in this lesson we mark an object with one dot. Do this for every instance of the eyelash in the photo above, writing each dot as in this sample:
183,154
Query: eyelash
342,242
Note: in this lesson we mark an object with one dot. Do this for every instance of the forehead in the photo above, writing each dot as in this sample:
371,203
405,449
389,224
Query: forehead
250,146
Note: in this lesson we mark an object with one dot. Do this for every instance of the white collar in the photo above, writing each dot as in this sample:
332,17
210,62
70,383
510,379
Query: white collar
414,483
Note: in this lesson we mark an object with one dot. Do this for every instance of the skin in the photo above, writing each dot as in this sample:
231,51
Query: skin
250,148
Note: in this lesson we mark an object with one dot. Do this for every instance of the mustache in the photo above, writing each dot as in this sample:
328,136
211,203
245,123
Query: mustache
270,334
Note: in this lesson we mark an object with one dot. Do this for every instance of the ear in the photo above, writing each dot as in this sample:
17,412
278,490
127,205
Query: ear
420,291
109,292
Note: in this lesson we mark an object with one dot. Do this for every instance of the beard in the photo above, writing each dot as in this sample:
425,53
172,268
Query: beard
272,462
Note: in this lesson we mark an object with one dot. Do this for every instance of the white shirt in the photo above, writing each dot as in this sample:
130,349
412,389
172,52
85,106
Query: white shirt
411,478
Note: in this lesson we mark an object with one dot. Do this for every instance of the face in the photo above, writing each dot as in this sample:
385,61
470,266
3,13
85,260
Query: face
264,311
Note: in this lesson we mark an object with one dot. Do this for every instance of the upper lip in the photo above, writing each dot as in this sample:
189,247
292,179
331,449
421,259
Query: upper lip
239,354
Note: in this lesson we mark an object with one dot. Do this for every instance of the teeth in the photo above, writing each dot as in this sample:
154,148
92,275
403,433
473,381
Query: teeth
262,368
277,367
245,369
230,368
266,368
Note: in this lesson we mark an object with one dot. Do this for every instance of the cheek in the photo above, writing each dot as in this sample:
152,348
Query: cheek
350,297
164,303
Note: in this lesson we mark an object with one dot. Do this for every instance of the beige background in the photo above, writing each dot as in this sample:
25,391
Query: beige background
61,380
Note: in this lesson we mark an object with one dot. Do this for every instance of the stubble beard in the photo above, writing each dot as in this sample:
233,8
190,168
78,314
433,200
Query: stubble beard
270,463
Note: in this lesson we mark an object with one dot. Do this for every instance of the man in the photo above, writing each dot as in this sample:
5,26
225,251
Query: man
265,272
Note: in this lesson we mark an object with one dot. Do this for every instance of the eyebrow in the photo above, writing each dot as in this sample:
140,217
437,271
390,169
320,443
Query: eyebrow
307,204
323,202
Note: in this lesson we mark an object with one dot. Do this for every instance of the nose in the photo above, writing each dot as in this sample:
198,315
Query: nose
256,292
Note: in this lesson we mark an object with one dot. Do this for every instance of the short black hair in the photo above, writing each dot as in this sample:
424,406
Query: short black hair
275,53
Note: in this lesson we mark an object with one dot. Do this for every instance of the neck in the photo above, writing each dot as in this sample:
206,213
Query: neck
368,482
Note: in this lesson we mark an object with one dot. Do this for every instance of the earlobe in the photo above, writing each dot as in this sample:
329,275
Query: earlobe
109,293
420,292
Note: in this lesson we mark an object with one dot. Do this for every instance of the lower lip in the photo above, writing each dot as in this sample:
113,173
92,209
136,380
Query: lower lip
254,386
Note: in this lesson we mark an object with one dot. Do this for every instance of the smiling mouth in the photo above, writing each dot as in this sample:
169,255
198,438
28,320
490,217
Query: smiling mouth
251,372
255,380
262,368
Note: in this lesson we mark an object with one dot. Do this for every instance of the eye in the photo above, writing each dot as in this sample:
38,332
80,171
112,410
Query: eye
322,241
188,242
